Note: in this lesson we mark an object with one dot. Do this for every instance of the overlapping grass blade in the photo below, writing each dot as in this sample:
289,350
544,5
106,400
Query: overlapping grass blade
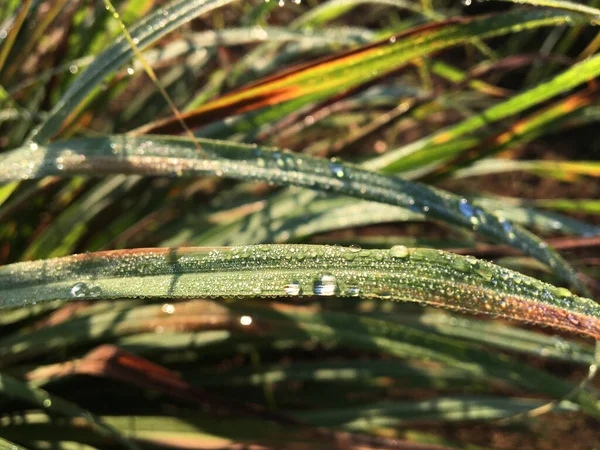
344,71
165,156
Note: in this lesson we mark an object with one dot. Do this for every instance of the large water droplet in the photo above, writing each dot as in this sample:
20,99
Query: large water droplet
399,251
293,288
325,285
80,290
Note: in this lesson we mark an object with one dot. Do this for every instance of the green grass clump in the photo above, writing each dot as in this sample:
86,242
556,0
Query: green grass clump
256,223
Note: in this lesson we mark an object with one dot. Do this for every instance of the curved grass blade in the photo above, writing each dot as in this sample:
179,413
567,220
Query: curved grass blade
147,31
429,276
168,156
355,67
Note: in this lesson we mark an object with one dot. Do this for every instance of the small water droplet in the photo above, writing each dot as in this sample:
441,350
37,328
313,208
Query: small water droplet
325,285
3,34
79,290
293,288
399,251
354,248
73,69
336,168
353,291
47,403
130,71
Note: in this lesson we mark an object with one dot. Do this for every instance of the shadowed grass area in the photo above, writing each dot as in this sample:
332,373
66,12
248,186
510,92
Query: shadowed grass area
254,224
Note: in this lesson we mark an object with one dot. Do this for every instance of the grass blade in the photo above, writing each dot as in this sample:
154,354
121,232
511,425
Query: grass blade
165,156
429,276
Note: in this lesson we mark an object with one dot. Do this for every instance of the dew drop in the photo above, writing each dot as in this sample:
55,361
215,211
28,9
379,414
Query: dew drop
353,291
354,248
79,290
130,71
325,285
47,403
293,288
336,168
399,251
73,69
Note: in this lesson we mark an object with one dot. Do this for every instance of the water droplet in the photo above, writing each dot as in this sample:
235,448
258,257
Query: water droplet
246,320
354,248
73,69
508,229
467,2
168,308
79,290
399,251
293,288
3,34
47,403
130,71
325,285
353,291
336,168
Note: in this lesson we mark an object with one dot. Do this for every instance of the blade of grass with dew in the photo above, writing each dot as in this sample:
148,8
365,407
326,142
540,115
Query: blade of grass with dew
167,156
437,278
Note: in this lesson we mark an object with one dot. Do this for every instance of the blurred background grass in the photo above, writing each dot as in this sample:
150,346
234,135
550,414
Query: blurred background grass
184,374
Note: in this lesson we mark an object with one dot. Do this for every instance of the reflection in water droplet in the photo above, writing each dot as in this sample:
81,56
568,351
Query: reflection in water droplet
293,288
353,291
168,308
246,320
508,229
79,290
399,251
325,285
336,168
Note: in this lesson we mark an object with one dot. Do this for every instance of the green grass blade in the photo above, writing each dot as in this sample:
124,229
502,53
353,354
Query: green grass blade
398,159
168,156
429,276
